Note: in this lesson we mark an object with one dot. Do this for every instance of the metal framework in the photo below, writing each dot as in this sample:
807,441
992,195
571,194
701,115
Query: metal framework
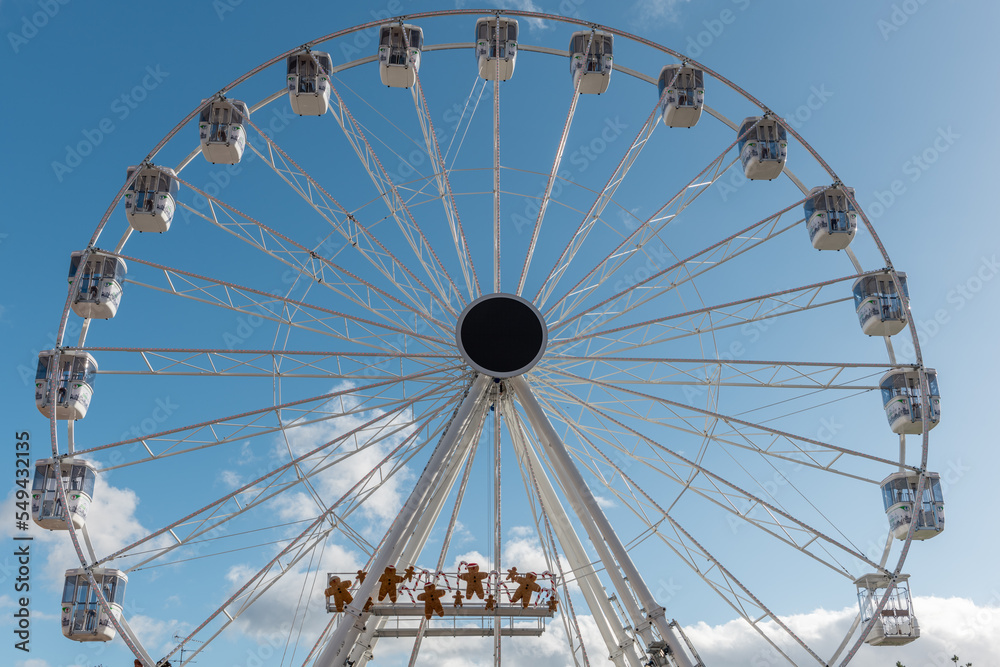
651,418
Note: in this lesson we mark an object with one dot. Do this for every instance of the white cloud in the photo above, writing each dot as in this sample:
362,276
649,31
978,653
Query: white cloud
657,11
157,634
31,662
948,626
281,601
383,505
111,524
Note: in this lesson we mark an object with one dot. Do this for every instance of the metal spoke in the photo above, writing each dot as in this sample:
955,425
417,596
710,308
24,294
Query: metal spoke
443,182
556,161
447,292
353,231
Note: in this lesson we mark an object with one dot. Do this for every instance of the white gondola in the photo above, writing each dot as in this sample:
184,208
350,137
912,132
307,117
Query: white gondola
309,82
398,63
763,148
491,31
83,617
101,285
879,305
151,199
899,495
74,383
593,68
831,218
685,97
901,396
896,624
78,478
222,131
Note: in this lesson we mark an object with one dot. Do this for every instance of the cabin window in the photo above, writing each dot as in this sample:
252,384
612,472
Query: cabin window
69,589
42,372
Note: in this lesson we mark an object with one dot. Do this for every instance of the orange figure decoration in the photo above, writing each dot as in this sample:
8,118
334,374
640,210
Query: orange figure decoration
431,597
491,603
387,584
361,576
368,605
458,598
473,581
553,603
340,592
526,586
512,574
408,574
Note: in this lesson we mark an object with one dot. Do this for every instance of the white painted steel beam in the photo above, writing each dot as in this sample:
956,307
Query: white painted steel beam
585,504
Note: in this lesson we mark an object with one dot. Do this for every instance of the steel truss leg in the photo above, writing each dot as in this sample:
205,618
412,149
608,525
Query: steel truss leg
599,529
365,646
618,642
344,638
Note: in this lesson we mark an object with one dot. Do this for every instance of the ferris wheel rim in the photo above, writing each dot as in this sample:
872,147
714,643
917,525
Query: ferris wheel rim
360,27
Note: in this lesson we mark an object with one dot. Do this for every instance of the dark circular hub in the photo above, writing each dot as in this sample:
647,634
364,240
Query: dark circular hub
501,335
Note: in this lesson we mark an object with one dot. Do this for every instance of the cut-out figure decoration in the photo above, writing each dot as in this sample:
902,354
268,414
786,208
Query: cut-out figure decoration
368,605
340,592
387,584
458,598
431,597
491,603
408,574
473,581
361,577
526,586
553,604
512,574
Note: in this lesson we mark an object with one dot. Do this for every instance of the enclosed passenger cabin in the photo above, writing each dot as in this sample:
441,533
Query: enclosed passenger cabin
151,198
879,304
73,380
895,625
101,284
78,478
309,82
763,147
398,61
592,67
685,95
901,396
899,495
831,218
83,617
222,131
496,47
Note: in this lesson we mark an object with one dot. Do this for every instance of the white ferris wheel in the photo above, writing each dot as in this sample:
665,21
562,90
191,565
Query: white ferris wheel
475,350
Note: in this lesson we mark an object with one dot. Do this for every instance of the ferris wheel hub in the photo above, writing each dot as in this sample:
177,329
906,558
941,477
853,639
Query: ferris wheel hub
501,335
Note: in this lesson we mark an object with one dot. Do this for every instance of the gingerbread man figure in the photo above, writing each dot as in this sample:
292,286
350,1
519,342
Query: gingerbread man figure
526,586
361,576
473,581
512,574
340,592
491,603
431,597
458,598
387,584
408,575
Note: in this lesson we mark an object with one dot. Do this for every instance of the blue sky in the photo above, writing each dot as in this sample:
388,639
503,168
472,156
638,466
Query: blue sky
891,94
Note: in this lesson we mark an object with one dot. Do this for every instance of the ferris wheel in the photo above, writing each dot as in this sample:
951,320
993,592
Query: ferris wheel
479,350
